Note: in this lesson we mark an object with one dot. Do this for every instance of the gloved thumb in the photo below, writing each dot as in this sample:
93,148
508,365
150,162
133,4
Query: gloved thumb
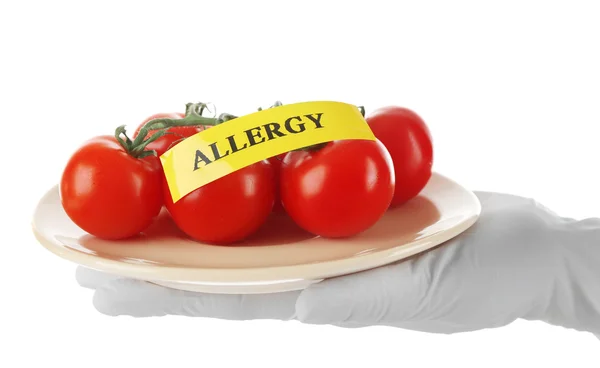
144,299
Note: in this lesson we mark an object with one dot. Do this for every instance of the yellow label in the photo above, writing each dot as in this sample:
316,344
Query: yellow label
235,144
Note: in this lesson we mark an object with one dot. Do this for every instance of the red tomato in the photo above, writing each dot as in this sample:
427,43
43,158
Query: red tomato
109,193
409,142
340,190
167,141
276,164
228,209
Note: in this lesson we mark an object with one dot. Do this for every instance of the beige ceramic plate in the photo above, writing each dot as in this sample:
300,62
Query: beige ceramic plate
280,257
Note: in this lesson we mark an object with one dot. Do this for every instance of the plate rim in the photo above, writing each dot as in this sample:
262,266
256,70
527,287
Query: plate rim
305,271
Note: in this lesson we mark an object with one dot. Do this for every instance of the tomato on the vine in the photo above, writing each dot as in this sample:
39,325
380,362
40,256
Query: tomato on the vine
228,209
174,136
408,140
339,190
108,192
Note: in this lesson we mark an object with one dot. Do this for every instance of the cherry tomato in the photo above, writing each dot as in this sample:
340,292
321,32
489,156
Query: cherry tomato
339,190
408,140
167,141
228,209
109,193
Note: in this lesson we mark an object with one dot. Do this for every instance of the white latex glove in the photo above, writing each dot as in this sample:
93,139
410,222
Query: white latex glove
518,261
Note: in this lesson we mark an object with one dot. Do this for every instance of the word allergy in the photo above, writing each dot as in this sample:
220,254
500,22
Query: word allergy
255,136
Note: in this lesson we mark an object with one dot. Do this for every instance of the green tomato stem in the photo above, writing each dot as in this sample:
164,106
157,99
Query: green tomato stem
193,117
160,126
362,110
138,150
125,143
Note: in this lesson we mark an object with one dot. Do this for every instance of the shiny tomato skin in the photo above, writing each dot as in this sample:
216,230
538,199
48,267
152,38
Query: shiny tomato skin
107,192
227,210
340,190
408,140
164,143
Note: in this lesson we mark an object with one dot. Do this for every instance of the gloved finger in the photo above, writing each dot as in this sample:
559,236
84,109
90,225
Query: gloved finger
143,299
92,279
381,296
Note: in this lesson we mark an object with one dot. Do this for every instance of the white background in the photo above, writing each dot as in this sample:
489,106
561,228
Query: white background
510,90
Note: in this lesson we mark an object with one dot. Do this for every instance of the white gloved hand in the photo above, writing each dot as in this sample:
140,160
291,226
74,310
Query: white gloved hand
519,261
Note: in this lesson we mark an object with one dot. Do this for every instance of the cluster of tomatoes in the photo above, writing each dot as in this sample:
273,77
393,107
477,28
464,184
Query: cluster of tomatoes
113,189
